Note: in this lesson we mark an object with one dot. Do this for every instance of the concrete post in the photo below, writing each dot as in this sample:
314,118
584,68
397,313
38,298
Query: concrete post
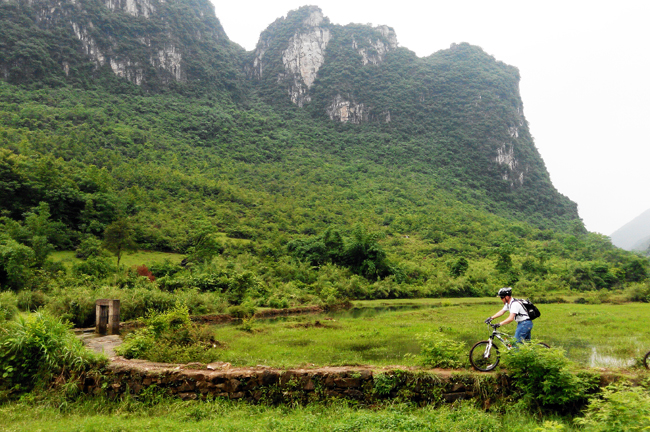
107,316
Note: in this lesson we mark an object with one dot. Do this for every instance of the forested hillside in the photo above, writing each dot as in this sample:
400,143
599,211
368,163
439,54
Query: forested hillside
374,174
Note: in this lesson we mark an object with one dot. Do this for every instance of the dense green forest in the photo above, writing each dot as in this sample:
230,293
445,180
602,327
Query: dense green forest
272,205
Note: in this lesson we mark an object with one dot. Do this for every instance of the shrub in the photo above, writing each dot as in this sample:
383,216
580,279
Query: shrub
95,266
437,350
37,348
89,247
144,271
30,300
544,378
639,292
619,408
8,307
75,305
15,262
458,267
165,268
245,310
170,337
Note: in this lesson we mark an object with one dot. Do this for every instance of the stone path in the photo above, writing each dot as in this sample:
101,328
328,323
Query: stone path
102,344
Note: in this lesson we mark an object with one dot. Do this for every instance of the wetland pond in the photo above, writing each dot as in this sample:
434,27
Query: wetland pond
391,332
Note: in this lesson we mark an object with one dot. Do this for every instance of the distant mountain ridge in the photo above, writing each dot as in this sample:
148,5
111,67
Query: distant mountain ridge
456,115
329,163
634,235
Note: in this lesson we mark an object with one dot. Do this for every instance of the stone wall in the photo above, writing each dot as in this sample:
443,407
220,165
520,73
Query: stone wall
273,386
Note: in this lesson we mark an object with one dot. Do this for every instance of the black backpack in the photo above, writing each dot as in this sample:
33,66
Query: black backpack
532,310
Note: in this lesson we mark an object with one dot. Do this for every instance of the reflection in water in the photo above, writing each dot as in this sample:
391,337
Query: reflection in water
355,312
602,360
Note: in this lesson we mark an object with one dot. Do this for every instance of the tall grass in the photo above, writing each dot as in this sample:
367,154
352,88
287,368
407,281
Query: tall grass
37,348
223,415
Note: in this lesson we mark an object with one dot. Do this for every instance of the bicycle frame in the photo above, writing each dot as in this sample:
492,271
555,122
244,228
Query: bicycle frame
481,355
504,340
503,337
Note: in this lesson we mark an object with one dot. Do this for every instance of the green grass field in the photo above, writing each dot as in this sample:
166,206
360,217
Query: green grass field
369,334
129,259
605,335
96,415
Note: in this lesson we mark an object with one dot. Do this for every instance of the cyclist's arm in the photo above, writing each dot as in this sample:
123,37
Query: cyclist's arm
498,314
510,319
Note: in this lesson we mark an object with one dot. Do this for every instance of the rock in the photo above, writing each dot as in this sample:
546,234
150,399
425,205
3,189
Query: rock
219,366
188,396
186,387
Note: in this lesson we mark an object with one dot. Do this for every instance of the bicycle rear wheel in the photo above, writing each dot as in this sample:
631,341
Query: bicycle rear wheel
543,344
481,359
646,360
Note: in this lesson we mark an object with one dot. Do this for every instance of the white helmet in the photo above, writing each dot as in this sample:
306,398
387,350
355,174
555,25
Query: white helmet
504,292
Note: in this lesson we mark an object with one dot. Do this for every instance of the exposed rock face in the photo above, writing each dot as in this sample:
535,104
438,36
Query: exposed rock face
513,172
346,111
169,58
136,8
378,48
303,56
305,53
125,69
89,45
349,111
113,41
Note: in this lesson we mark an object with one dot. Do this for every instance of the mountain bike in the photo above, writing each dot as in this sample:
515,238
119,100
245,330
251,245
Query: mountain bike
484,355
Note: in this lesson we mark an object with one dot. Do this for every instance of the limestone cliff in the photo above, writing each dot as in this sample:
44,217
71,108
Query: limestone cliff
458,111
302,54
146,42
301,41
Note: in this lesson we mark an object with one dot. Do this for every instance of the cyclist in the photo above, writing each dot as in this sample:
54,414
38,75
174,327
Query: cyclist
517,313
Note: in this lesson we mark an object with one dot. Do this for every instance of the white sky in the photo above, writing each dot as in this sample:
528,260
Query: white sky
585,78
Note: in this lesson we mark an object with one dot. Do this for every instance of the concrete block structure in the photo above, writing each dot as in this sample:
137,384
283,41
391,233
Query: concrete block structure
107,316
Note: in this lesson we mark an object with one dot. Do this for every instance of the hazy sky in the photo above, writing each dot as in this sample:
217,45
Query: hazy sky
585,79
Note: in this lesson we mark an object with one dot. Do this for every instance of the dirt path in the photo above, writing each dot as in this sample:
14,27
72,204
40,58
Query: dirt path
118,363
107,344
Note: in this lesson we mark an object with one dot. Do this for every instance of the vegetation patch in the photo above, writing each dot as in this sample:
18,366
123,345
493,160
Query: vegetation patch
39,350
545,379
171,337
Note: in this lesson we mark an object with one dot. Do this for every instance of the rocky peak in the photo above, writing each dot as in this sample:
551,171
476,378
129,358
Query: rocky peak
144,8
137,39
302,55
300,42
376,49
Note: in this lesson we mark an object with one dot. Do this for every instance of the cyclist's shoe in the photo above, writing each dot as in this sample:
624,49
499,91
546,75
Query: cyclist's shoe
488,321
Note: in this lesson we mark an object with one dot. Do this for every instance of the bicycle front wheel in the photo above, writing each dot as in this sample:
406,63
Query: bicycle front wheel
482,359
646,360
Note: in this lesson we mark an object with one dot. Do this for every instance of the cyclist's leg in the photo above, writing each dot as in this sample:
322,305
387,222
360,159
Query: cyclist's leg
523,331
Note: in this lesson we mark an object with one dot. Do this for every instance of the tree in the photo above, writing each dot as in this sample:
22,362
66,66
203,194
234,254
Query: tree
118,238
458,267
16,261
504,261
